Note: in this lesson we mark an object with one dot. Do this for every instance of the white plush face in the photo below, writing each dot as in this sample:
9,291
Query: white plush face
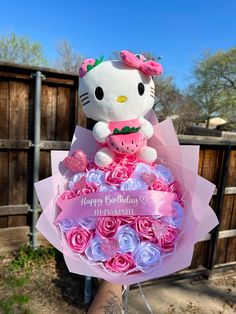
113,91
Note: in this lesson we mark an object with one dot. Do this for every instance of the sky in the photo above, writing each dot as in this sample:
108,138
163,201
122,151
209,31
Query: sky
179,30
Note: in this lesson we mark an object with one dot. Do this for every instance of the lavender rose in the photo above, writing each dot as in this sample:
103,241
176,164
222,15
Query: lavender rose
127,238
147,255
164,174
94,252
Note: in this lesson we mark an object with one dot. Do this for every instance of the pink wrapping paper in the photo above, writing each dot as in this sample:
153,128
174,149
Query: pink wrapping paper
183,162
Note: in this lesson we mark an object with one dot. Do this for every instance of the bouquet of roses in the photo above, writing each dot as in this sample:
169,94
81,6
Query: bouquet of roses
129,218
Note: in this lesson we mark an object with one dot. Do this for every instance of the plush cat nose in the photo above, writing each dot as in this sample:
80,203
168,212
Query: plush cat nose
121,99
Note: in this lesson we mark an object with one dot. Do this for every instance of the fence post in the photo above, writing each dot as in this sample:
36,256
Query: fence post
36,156
219,207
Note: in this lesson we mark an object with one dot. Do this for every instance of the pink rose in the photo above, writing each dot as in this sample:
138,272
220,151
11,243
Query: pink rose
128,160
67,195
143,226
78,238
86,188
116,174
166,236
127,219
120,263
107,226
178,198
173,187
91,165
160,186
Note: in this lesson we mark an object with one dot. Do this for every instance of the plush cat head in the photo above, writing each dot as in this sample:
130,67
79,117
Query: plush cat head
117,90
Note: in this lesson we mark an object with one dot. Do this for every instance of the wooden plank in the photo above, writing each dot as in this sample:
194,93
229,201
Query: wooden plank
231,178
17,183
63,110
200,161
210,167
14,144
9,210
60,145
4,181
4,109
12,238
224,225
45,165
48,112
231,243
19,104
205,140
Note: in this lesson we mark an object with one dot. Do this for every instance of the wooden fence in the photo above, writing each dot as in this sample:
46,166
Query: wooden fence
59,115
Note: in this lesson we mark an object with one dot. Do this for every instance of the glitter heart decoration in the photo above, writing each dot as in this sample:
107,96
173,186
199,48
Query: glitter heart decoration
77,162
159,229
110,247
80,184
149,178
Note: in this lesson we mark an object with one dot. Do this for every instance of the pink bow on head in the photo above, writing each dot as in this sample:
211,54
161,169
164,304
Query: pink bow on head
149,67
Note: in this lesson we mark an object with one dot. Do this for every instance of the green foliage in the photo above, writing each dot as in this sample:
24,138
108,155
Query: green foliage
15,304
27,254
19,49
126,130
214,88
96,63
15,282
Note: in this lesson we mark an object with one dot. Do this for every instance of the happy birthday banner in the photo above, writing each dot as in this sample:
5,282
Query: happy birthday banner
117,203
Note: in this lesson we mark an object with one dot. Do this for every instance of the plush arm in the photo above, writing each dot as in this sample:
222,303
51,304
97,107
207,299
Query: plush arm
146,128
101,131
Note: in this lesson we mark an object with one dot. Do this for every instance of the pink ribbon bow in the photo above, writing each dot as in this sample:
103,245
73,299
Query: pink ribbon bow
149,67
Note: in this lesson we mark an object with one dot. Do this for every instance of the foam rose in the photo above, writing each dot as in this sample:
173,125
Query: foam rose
95,176
120,263
166,240
133,184
107,226
68,224
75,178
116,174
85,189
77,239
127,238
106,188
143,226
87,222
94,252
164,174
67,195
127,219
147,255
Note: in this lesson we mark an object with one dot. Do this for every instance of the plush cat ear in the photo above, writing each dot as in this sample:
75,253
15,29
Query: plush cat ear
88,64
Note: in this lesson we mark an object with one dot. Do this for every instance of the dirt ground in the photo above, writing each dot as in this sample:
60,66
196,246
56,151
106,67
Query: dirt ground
45,286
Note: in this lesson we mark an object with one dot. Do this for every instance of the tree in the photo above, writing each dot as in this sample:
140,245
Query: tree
169,101
19,49
214,88
68,60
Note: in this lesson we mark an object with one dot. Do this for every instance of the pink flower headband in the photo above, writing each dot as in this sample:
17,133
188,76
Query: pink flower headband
148,67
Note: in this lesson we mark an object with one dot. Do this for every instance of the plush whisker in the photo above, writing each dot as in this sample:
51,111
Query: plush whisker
86,103
86,97
152,96
83,95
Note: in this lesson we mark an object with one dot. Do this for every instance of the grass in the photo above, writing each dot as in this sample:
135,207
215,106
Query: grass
27,255
15,301
15,304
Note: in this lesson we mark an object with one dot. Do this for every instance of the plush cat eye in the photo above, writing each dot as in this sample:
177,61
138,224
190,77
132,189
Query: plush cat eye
99,93
141,89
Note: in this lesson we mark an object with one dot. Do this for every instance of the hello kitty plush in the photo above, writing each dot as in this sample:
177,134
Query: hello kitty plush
118,94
